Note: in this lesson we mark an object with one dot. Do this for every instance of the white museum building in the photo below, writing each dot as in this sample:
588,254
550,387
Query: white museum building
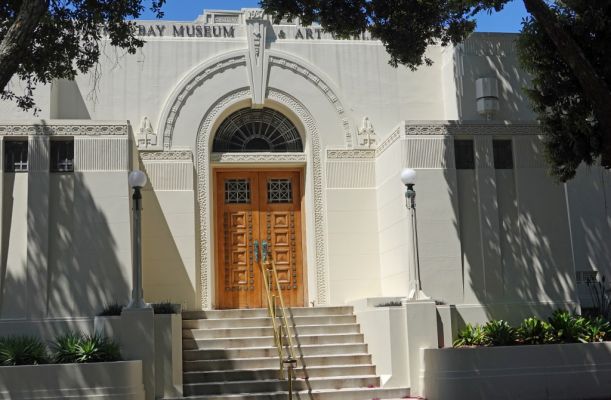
281,142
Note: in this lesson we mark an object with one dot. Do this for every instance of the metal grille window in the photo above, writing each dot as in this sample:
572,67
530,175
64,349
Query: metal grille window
503,154
464,154
62,155
237,191
279,191
250,130
16,155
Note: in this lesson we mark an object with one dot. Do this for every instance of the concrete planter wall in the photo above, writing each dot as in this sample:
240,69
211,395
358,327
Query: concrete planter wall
120,380
168,355
563,371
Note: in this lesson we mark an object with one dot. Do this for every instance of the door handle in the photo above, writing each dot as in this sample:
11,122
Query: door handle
255,250
264,250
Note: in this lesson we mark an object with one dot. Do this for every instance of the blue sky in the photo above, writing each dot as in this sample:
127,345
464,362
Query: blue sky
508,20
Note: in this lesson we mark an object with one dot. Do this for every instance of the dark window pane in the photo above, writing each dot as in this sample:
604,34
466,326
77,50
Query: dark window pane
503,155
62,155
16,155
463,151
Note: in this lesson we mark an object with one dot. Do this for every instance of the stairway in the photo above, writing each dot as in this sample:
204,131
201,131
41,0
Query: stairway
230,355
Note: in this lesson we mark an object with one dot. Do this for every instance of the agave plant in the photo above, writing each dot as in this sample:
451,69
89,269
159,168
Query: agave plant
22,350
499,333
534,331
79,348
568,328
470,336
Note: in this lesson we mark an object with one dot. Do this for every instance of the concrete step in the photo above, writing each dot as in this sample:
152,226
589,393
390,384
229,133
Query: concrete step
275,385
258,352
262,312
263,341
305,330
272,373
272,362
321,394
266,321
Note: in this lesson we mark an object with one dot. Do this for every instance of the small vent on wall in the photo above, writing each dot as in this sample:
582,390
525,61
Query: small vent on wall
585,276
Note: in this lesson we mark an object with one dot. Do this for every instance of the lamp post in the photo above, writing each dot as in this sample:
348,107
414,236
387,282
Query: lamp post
137,179
408,177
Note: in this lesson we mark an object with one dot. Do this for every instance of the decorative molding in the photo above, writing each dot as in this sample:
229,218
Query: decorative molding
393,137
348,174
256,35
322,86
320,223
204,192
185,89
166,155
258,157
471,129
64,129
428,152
38,149
163,175
252,13
358,154
146,136
368,133
101,154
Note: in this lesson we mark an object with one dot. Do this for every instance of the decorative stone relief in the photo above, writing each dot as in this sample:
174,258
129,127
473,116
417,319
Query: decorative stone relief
324,88
67,129
166,124
146,137
258,157
204,199
343,154
367,135
256,33
166,155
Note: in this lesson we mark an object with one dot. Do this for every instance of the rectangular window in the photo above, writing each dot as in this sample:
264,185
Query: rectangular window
16,155
464,154
62,155
503,154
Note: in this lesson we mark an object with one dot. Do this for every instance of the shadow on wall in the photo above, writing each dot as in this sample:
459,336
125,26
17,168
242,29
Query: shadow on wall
59,256
165,275
514,235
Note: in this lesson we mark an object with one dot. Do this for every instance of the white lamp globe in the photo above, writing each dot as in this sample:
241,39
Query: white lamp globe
137,179
408,176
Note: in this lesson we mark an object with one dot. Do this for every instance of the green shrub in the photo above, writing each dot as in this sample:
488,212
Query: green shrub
111,310
534,331
568,328
499,333
390,304
79,348
22,350
165,308
470,336
598,330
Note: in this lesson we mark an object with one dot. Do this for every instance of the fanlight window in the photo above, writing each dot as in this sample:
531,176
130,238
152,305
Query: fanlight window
264,130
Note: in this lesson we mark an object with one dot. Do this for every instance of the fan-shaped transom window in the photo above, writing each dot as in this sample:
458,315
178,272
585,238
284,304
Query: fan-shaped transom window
261,130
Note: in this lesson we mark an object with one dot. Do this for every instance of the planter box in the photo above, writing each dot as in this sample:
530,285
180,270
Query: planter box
120,380
553,371
168,355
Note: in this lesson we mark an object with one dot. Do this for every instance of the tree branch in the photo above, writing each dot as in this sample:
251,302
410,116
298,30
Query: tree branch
594,87
15,43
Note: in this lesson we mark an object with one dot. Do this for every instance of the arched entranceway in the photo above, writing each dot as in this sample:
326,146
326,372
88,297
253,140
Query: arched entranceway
258,211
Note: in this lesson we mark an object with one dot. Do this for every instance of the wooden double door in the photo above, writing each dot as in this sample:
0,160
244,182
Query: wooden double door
258,217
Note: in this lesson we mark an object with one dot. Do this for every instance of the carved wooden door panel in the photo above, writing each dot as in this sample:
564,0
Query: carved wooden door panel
280,230
238,275
258,216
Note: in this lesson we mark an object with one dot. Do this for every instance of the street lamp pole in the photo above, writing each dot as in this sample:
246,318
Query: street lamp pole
137,179
408,177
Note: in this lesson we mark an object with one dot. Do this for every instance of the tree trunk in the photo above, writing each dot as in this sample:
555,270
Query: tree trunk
594,87
19,36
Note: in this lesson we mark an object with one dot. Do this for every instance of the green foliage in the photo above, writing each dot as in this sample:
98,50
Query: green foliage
390,304
22,350
572,134
78,348
600,294
534,331
470,335
499,333
113,309
568,328
597,330
69,37
406,28
165,307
